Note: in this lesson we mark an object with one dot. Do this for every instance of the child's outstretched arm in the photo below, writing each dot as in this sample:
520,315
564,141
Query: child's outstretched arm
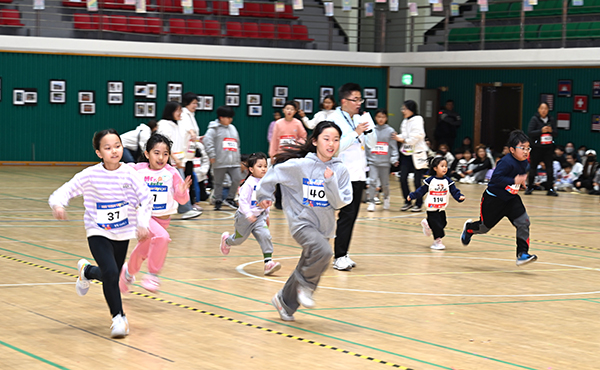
421,191
181,188
266,187
61,197
456,194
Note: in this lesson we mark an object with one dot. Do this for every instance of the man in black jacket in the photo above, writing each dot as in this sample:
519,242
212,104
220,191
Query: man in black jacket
450,121
542,132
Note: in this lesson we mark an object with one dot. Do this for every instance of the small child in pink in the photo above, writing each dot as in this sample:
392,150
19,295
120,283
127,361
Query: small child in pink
167,189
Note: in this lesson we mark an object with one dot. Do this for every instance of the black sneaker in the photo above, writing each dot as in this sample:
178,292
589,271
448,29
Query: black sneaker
231,203
466,236
525,258
218,205
529,190
552,193
406,207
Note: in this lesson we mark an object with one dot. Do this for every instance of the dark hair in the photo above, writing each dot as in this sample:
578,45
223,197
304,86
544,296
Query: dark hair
225,111
411,106
300,151
188,98
381,110
434,163
347,89
293,103
460,151
157,139
152,124
570,154
100,134
169,110
516,137
253,159
560,147
449,101
547,106
567,165
330,97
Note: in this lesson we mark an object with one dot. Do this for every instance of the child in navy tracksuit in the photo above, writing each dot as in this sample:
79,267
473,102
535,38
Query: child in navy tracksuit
501,198
437,188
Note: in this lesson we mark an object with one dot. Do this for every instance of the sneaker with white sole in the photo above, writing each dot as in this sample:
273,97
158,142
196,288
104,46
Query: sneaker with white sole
231,203
225,248
83,284
305,297
416,209
276,301
437,245
271,267
426,228
386,203
371,207
342,264
192,213
465,237
125,280
376,200
350,262
406,207
119,327
151,283
525,258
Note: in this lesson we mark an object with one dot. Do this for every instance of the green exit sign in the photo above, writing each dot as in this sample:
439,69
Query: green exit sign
407,79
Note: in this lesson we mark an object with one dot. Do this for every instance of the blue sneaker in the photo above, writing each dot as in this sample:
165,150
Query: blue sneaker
465,237
525,258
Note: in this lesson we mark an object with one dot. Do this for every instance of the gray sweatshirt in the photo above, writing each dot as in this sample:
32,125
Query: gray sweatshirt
308,198
377,156
223,144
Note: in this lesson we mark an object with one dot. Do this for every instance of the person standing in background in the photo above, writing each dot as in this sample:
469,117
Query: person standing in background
447,127
134,141
542,132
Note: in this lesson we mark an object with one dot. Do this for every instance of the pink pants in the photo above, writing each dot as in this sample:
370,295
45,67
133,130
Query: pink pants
154,248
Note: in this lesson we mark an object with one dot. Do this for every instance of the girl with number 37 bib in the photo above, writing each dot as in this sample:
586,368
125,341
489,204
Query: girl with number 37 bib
112,195
313,185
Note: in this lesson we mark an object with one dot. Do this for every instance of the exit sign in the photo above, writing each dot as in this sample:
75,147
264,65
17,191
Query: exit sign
407,79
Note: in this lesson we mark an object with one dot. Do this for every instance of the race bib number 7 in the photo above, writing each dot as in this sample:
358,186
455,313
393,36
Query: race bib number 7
112,215
314,193
159,196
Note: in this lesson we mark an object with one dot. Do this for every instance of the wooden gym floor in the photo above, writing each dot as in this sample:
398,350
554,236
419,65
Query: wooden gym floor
403,306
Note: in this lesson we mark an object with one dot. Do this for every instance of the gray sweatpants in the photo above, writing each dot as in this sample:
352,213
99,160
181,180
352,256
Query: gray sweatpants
258,228
315,259
383,174
236,178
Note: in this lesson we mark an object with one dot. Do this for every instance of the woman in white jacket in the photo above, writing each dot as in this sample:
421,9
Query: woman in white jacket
327,110
413,152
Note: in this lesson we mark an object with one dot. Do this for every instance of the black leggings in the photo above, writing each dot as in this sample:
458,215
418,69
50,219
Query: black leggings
110,256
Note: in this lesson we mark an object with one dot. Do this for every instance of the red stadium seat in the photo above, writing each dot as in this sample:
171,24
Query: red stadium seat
11,17
75,4
251,30
288,13
195,27
111,4
251,10
220,7
124,6
212,28
119,23
154,25
268,10
81,21
234,29
177,26
267,30
200,7
284,31
138,25
300,32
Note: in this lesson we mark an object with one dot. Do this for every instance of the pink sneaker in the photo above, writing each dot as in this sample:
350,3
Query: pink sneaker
271,267
426,228
151,283
224,246
125,279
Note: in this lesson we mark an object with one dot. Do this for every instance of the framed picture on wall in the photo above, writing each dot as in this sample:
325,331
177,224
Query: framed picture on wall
548,99
115,98
255,110
563,120
151,91
596,89
371,103
115,86
87,108
253,99
308,106
200,102
580,103
18,97
175,97
278,102
565,87
175,88
58,85
85,97
30,97
370,93
595,122
232,101
140,109
324,91
151,109
209,102
140,89
299,103
280,91
58,97
232,89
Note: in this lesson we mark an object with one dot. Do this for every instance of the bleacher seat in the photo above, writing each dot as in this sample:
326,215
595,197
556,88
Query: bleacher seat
494,33
154,25
170,6
531,32
195,27
251,30
220,7
266,30
10,17
137,24
82,21
300,32
111,4
200,7
234,29
284,31
6,1
581,31
212,27
594,30
96,22
288,13
268,10
588,7
251,10
119,23
465,35
177,26
550,32
74,4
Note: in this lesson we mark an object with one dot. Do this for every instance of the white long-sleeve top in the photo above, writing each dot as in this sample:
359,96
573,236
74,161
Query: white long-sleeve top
324,115
170,129
352,145
187,123
247,200
111,200
412,130
138,137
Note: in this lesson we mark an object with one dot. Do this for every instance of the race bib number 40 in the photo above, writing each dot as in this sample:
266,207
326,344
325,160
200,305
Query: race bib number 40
112,215
230,144
159,196
381,148
314,193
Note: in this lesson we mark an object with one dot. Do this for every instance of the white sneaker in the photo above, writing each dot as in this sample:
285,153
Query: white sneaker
350,262
305,297
426,228
119,327
386,203
83,284
371,207
192,213
437,245
376,200
342,264
276,301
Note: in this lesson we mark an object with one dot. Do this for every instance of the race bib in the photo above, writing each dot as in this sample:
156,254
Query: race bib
287,140
230,144
407,149
546,139
197,162
314,193
513,189
159,196
112,215
253,199
437,199
381,148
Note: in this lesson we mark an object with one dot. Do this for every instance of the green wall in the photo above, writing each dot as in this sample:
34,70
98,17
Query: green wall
461,88
60,133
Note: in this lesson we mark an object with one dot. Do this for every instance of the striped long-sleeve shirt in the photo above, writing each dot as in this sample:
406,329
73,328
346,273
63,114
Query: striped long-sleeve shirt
111,200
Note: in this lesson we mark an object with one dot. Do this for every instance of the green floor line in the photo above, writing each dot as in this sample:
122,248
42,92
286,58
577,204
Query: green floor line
33,356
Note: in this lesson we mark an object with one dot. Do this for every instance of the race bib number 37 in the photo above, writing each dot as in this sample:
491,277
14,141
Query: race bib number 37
314,193
112,215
